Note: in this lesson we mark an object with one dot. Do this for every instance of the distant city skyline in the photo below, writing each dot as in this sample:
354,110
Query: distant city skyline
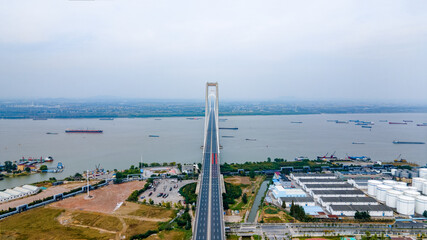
255,50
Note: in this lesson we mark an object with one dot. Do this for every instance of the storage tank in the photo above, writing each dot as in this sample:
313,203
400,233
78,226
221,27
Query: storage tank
420,204
411,193
381,192
400,188
425,188
413,189
423,173
405,205
418,183
401,183
391,197
372,187
389,182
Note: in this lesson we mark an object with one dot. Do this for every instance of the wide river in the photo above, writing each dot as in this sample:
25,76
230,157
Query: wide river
125,140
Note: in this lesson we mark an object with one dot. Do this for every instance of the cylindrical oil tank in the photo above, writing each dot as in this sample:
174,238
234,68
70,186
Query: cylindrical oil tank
412,189
411,193
400,188
381,192
405,205
401,183
418,183
420,204
425,188
423,173
391,197
389,182
372,187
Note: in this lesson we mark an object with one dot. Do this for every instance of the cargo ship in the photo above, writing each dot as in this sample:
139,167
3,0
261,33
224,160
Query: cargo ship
82,131
403,142
397,123
422,125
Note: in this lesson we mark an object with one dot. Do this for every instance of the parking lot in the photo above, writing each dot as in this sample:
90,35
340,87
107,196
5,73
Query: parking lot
168,187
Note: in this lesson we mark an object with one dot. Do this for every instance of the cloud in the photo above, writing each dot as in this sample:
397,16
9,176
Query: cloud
267,49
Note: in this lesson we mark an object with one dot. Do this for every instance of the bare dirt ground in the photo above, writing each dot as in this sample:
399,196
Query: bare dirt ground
50,191
104,200
238,180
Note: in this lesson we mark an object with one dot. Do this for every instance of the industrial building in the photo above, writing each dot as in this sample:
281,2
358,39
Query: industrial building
301,201
350,210
326,201
345,186
320,181
361,184
337,193
278,192
18,192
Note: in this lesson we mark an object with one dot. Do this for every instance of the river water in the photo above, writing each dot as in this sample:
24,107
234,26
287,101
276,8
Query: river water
125,140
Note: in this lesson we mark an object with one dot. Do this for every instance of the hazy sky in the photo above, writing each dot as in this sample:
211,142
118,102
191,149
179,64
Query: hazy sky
264,49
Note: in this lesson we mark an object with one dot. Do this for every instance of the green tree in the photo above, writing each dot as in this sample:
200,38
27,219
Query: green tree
283,204
245,198
425,213
27,169
43,167
252,174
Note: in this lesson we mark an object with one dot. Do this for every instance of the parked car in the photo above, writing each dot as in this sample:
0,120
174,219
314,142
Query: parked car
151,193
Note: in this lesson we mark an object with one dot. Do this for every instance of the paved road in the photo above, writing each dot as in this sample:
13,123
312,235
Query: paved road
209,215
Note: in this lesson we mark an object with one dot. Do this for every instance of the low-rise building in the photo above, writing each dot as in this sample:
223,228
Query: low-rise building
337,193
350,210
326,201
301,201
5,197
278,191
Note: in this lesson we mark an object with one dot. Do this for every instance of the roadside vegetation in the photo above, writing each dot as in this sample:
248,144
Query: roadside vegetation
277,163
189,193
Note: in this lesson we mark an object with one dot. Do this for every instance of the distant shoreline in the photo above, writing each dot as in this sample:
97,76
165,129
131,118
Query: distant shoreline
202,115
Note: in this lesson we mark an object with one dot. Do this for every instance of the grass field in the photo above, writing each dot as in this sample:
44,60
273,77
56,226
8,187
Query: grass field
271,214
97,220
232,237
137,227
153,212
41,223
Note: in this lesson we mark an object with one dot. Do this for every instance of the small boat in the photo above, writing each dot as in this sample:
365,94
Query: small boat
408,121
39,118
48,159
383,121
403,142
250,139
193,118
82,131
422,125
404,123
301,158
53,133
366,126
108,119
341,122
296,122
153,136
363,158
228,136
331,120
357,143
229,128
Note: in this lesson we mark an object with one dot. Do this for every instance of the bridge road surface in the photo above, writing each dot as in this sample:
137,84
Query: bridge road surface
209,215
